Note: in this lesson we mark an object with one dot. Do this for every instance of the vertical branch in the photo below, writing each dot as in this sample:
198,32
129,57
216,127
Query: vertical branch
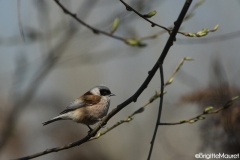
160,62
159,111
176,27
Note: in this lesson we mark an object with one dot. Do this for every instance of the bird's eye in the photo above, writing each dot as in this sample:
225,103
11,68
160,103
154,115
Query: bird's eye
105,92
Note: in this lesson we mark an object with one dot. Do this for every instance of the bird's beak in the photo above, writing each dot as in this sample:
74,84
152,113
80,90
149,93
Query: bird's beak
112,94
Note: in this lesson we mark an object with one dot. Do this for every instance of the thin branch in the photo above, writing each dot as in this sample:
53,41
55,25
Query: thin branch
159,112
177,25
219,38
169,81
83,140
95,30
187,17
153,24
207,111
201,33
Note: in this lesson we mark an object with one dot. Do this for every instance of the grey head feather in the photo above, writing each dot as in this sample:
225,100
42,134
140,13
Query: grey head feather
97,89
102,90
102,86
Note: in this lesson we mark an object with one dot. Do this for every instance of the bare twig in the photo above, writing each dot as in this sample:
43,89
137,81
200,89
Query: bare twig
187,17
159,112
95,30
219,38
153,24
175,31
207,111
169,81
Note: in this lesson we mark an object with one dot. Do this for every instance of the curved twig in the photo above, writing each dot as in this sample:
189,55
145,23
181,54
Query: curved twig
95,30
207,111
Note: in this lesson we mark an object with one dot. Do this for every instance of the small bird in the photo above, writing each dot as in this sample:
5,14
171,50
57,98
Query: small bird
89,108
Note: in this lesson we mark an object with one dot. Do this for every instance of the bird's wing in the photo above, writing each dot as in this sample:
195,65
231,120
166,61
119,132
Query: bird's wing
73,105
80,102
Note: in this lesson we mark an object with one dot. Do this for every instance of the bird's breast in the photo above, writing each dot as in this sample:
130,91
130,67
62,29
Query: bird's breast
91,114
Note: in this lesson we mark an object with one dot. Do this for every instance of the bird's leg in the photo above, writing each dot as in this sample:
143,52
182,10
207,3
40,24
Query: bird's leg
90,129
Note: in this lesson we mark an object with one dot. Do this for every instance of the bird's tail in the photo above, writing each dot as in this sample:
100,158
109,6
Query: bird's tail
52,120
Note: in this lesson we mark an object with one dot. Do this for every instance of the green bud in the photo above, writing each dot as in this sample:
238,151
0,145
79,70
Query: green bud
150,14
206,110
201,118
188,59
170,80
202,33
191,35
193,121
215,28
132,42
115,25
129,119
98,134
234,98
